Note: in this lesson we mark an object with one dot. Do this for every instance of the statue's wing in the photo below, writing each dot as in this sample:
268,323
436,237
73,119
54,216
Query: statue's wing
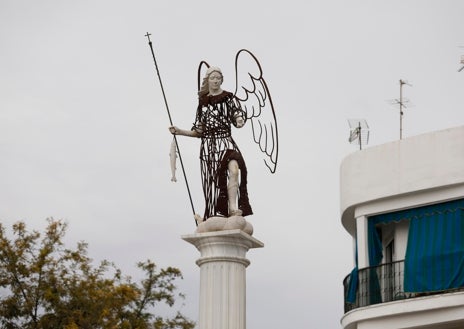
202,68
253,94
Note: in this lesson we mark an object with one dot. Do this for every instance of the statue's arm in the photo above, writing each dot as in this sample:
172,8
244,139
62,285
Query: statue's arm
190,133
238,115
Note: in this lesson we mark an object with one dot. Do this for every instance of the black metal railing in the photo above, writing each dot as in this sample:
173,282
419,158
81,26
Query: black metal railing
378,284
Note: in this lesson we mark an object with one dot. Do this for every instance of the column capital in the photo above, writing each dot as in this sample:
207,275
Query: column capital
229,237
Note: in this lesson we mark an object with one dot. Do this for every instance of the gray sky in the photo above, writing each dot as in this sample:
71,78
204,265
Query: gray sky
83,126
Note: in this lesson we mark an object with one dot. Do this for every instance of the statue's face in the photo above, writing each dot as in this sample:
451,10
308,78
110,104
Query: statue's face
214,81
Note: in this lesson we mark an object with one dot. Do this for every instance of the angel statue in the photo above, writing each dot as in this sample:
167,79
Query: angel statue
223,169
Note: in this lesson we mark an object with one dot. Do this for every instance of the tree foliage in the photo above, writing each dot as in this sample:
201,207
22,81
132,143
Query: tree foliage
44,285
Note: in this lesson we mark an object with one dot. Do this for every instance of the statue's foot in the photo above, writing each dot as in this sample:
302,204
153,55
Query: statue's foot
235,212
198,219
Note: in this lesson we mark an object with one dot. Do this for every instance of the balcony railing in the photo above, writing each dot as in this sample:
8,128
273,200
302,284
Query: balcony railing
378,284
382,284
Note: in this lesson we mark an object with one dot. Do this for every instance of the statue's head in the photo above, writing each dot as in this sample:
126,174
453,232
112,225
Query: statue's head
213,76
213,69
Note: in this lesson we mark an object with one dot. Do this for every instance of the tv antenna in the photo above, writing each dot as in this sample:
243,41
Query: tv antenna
359,132
462,63
462,60
402,103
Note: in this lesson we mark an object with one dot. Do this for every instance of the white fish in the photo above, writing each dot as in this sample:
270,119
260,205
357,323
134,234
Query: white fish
173,156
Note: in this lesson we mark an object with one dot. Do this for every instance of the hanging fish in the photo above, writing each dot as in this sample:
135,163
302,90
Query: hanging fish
172,157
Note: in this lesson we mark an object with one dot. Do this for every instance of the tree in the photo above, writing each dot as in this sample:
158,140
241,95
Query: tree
44,285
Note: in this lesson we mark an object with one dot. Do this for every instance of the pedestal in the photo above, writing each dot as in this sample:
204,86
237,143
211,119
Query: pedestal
223,265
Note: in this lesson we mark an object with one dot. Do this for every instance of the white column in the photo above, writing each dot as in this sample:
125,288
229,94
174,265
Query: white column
223,265
363,247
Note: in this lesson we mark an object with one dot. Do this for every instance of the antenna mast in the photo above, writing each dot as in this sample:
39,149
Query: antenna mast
401,103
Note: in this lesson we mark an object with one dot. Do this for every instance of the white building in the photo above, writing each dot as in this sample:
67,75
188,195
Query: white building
403,204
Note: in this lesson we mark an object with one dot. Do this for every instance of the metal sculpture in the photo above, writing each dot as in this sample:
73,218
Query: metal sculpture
223,169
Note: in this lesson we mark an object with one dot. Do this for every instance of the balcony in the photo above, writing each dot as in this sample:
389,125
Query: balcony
382,284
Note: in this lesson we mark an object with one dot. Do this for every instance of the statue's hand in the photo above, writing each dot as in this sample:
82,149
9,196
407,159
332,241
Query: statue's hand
240,122
174,130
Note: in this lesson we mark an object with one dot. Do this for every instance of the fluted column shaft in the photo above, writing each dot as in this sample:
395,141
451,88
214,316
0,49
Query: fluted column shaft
223,265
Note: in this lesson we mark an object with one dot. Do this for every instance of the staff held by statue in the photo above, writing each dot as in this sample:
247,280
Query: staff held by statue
170,121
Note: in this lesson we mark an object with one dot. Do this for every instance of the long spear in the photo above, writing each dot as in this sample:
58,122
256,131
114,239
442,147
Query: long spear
170,121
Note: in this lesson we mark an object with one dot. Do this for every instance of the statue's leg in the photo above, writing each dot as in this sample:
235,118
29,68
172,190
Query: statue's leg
232,188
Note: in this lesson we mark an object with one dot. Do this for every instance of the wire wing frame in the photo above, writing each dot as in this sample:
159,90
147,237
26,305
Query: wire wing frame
253,94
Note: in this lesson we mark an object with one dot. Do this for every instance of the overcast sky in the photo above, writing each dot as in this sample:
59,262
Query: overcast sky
84,138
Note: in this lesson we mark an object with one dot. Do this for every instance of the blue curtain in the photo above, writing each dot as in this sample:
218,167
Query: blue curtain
353,281
435,253
374,243
352,286
375,257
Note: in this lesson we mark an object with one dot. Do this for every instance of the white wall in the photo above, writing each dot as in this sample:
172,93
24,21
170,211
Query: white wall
406,173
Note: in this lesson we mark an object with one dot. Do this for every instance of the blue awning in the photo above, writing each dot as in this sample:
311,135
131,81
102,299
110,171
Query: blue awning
435,252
